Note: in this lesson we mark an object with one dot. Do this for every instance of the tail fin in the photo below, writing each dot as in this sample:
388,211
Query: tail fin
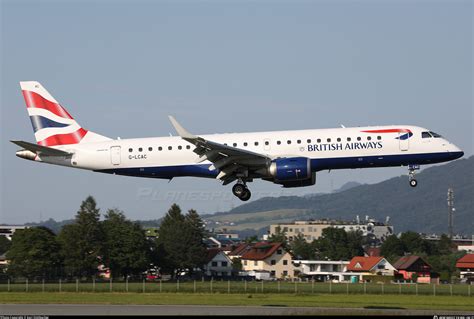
52,124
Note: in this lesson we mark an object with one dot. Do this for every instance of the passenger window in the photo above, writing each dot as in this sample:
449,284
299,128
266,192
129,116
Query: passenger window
188,147
329,140
319,140
267,143
348,139
130,150
338,139
288,142
369,138
235,144
245,144
358,138
278,142
379,137
140,149
160,148
298,141
256,143
150,149
180,147
170,148
308,140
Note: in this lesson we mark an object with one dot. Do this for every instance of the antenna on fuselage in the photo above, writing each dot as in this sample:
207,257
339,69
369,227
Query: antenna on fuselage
343,126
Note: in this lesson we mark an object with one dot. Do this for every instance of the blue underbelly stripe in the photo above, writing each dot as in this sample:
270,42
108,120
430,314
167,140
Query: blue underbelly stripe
202,170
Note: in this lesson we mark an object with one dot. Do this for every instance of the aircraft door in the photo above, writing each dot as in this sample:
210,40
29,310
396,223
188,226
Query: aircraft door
404,141
115,155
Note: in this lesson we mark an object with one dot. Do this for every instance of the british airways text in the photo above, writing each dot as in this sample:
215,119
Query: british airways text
341,146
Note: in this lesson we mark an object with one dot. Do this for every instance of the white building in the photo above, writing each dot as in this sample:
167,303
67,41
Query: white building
218,264
312,229
9,230
325,270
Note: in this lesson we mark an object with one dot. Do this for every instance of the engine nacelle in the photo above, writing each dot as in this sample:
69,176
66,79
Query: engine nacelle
305,182
291,169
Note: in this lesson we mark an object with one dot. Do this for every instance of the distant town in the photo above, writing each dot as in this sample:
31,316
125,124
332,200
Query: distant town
185,246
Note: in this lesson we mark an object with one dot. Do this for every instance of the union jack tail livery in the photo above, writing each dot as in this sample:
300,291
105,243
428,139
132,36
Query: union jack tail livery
52,124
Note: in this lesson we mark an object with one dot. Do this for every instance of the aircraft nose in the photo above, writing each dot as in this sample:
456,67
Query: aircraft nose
456,152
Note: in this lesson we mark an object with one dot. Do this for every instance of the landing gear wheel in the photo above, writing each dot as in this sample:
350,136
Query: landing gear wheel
246,195
238,189
411,174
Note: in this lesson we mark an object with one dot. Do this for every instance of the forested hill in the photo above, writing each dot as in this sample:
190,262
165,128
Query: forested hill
422,209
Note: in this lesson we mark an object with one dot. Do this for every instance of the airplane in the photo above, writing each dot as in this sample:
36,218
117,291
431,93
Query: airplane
287,158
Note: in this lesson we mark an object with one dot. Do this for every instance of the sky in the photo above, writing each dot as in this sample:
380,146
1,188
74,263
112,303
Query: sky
120,67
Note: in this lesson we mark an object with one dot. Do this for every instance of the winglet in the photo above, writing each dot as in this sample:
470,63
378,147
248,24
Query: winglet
181,130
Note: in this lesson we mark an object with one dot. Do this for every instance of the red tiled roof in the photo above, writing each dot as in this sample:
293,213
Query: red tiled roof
360,263
406,262
240,249
466,262
261,251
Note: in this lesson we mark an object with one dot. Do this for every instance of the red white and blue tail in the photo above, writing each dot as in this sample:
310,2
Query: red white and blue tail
52,124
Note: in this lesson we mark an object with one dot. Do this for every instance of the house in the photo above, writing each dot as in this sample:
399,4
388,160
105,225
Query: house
325,270
413,268
466,267
218,264
272,257
371,266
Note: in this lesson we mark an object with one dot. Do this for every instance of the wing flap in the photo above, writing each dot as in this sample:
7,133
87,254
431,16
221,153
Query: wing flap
229,160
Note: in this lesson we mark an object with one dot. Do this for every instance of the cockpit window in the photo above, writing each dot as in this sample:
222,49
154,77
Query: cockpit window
436,135
425,135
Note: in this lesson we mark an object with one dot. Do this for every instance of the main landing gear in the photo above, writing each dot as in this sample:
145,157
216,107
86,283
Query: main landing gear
411,175
241,191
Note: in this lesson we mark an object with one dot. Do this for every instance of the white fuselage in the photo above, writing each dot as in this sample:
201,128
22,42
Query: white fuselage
338,148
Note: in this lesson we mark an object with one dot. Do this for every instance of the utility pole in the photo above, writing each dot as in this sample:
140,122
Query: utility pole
451,211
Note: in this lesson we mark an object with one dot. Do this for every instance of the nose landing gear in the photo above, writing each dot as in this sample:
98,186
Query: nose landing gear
411,175
241,191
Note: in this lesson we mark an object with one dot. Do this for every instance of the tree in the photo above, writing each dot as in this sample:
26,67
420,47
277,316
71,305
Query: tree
278,237
251,239
301,249
170,243
444,245
334,244
354,243
392,248
5,244
125,248
195,233
82,241
34,252
413,243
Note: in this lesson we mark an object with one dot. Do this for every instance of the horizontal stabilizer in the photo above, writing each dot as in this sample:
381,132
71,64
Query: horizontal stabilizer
39,149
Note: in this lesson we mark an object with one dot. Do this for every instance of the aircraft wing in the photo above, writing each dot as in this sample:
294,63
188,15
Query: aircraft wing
39,149
232,162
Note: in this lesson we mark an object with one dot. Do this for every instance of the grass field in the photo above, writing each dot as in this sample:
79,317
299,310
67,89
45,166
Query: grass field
295,300
239,287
